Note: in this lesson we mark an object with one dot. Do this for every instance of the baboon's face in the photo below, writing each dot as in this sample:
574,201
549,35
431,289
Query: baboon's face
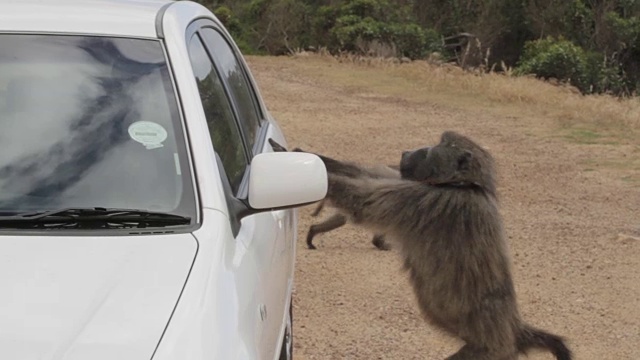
436,165
412,164
447,162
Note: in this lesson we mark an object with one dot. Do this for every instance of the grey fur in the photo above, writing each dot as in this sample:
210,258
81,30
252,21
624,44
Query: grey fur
449,232
336,220
339,219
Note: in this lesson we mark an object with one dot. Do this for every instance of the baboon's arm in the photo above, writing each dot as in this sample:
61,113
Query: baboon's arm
349,169
383,171
336,167
343,168
375,202
357,171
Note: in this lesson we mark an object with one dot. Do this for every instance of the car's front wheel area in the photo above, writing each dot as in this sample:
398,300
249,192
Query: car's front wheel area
286,351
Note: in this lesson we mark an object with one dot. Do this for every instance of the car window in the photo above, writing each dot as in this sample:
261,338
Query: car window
223,128
90,122
234,75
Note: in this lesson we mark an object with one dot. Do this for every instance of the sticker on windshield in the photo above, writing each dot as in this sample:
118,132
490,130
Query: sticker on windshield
148,133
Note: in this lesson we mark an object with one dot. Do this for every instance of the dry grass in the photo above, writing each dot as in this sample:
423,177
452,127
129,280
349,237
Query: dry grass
424,81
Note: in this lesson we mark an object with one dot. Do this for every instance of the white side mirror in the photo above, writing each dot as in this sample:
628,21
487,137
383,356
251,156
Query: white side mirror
286,179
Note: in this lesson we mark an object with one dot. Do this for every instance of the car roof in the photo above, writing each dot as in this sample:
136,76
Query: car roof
135,18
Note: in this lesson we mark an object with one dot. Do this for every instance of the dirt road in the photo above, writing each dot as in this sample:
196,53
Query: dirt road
572,221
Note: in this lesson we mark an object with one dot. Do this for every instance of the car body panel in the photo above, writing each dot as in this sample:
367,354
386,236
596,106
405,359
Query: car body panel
254,271
219,314
103,297
264,249
115,18
235,302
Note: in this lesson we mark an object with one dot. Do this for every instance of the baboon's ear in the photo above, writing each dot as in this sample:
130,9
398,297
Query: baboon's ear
464,160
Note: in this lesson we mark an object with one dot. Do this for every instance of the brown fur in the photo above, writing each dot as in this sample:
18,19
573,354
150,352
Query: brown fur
449,231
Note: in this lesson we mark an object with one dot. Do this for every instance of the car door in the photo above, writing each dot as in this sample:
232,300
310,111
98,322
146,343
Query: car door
238,131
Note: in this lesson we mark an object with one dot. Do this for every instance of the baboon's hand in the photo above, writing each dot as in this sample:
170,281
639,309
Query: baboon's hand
277,147
333,166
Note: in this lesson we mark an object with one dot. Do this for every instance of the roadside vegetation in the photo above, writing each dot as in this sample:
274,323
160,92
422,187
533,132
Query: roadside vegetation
593,45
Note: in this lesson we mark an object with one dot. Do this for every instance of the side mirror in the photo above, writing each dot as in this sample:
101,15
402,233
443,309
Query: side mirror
285,180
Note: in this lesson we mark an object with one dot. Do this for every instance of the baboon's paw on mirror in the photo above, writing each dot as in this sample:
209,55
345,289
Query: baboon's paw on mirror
276,146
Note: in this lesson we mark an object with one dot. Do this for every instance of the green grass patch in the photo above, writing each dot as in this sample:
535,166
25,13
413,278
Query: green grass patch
632,179
583,136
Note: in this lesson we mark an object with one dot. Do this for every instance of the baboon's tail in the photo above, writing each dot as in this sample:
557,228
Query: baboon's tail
318,209
532,338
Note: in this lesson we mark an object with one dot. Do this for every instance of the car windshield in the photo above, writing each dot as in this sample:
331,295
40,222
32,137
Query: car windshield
89,121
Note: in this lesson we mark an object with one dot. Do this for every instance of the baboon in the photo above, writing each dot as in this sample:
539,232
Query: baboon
446,223
339,218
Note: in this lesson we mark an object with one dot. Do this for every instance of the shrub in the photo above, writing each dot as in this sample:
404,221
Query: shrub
433,41
372,26
234,25
350,28
551,58
565,61
410,40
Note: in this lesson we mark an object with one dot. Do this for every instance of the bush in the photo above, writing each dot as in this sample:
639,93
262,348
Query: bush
562,60
433,42
550,58
351,28
234,25
229,20
377,27
377,9
410,40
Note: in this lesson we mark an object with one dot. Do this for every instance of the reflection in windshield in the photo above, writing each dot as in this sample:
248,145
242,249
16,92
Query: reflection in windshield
87,122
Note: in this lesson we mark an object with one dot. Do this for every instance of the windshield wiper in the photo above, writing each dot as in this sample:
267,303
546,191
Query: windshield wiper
92,218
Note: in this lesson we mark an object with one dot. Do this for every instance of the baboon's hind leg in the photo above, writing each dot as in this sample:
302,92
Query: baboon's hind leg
331,223
380,243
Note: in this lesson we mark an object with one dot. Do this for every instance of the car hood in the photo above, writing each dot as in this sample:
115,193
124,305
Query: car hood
107,297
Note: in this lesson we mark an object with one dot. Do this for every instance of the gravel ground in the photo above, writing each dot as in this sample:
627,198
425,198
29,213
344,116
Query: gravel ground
574,233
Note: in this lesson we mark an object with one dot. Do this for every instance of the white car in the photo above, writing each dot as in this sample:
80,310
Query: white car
143,212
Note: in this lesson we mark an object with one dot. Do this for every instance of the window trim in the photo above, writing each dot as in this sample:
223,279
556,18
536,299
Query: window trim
255,99
185,139
235,204
230,96
185,135
234,114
